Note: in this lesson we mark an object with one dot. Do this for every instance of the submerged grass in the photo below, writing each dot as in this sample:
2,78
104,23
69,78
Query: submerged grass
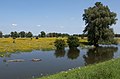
106,70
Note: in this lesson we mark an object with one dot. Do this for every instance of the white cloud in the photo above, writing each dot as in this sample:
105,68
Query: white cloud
38,25
14,24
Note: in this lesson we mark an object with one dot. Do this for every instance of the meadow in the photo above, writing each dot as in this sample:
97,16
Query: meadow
28,44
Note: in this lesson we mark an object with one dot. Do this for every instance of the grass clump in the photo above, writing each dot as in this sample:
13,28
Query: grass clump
106,70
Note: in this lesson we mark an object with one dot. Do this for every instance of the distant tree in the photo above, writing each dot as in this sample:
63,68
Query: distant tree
14,34
29,34
98,20
22,34
57,34
6,35
1,34
73,42
43,34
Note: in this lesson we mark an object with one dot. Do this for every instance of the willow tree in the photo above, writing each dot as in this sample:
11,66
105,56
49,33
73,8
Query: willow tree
98,20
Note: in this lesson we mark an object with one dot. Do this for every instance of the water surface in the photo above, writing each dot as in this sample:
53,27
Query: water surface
52,61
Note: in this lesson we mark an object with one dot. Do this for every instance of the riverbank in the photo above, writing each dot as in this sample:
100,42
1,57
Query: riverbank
106,70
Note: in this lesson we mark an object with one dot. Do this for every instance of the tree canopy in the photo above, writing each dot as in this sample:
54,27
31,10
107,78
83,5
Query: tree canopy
98,20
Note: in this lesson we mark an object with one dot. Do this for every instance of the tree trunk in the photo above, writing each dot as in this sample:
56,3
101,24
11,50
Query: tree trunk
96,43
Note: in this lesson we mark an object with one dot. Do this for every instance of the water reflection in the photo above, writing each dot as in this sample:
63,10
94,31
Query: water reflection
59,53
99,54
73,53
5,55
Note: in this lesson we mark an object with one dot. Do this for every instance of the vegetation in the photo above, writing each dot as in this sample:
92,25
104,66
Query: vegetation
43,34
1,34
59,44
106,70
73,42
26,44
98,20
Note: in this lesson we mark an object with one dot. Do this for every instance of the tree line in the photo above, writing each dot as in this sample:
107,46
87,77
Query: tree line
29,34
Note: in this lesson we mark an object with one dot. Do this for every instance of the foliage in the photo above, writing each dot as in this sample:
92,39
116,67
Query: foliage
22,34
59,44
1,34
14,34
73,41
43,34
98,20
106,70
29,34
57,34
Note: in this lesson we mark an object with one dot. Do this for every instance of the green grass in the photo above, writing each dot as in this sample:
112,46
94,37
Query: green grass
106,70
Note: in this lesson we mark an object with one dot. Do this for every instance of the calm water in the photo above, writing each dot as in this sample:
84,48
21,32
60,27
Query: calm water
52,61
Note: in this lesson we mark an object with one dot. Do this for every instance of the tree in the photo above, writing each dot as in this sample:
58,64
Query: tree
98,20
6,35
14,34
1,34
29,34
22,34
59,44
73,42
43,34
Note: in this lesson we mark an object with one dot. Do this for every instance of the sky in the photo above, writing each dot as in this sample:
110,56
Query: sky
62,16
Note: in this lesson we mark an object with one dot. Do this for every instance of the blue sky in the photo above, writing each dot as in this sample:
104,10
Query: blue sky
63,16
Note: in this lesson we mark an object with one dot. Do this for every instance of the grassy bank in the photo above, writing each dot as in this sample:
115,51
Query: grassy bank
106,70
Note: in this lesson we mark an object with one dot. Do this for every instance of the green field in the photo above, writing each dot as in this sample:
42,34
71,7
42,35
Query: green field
106,70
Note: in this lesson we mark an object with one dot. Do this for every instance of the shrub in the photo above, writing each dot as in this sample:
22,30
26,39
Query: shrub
73,42
37,37
59,44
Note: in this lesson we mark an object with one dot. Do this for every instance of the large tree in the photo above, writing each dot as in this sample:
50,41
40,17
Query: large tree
98,20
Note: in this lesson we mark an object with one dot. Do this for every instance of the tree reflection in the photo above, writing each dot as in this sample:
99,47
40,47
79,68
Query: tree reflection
59,53
99,54
73,53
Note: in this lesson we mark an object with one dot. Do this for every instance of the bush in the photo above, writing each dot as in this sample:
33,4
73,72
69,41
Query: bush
73,42
59,44
37,37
